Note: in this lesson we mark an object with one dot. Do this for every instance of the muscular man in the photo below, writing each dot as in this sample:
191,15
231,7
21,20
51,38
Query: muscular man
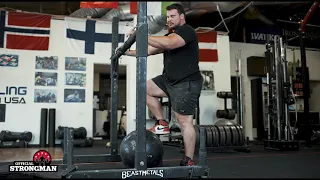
181,80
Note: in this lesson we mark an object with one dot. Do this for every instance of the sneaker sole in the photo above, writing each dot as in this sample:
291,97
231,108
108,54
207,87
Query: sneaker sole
161,133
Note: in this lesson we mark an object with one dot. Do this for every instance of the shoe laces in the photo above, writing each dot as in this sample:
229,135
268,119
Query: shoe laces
190,162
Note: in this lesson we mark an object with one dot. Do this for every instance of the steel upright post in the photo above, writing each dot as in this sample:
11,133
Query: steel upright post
142,54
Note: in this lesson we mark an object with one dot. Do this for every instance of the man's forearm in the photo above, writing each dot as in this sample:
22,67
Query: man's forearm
131,53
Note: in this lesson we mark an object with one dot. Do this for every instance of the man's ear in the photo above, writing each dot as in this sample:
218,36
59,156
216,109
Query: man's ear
182,16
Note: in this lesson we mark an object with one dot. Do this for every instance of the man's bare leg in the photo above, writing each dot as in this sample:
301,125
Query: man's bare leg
153,103
188,133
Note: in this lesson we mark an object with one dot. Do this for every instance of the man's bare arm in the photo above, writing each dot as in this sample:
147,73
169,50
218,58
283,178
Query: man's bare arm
151,51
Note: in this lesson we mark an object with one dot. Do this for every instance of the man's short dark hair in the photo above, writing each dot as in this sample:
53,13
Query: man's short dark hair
176,6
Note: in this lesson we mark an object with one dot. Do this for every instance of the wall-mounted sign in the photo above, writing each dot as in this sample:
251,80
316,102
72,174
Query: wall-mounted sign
288,31
13,95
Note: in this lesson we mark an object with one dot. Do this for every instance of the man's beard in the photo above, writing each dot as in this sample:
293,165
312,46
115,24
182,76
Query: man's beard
173,27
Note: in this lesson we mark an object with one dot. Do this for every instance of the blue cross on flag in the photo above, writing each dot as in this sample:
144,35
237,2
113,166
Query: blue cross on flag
89,36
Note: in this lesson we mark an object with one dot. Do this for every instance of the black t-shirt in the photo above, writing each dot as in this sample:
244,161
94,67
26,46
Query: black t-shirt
181,64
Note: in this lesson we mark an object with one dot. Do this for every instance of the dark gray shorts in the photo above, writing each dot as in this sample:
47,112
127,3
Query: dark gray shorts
183,96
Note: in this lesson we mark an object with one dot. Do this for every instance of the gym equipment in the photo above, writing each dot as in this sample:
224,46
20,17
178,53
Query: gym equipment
226,113
280,135
87,142
13,144
43,127
223,122
121,131
79,133
140,162
305,73
224,95
154,149
52,127
222,137
13,136
239,88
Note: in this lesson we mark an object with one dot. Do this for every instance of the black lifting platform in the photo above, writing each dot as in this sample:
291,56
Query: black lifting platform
141,170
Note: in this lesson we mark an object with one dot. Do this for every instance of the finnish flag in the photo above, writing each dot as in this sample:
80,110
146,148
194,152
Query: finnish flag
86,36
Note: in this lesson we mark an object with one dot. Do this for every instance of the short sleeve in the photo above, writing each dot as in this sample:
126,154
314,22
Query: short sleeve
187,33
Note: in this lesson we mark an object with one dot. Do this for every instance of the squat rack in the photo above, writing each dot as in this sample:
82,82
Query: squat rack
71,171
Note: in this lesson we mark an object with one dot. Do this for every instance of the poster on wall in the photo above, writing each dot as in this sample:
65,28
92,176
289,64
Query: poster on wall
74,95
45,96
9,60
75,64
75,79
45,79
208,80
44,62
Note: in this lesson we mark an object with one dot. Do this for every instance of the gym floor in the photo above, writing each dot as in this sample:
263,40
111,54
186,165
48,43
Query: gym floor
259,163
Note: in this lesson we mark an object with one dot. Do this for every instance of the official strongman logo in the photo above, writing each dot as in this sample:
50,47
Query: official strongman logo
42,158
41,162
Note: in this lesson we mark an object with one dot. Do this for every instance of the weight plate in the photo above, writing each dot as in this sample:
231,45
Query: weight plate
231,133
214,136
235,138
217,138
240,135
197,135
228,135
222,135
209,136
205,135
198,128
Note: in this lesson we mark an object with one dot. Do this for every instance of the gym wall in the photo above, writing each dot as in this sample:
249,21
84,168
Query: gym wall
248,50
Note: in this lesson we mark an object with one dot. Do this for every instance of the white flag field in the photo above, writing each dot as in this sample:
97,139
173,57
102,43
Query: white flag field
86,36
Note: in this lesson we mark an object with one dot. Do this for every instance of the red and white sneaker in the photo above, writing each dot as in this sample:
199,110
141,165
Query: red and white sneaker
161,128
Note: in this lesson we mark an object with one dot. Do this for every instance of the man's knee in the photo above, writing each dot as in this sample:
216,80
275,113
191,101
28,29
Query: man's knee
184,120
153,90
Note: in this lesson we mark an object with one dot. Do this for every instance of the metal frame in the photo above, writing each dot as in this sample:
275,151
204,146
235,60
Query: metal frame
141,169
305,73
71,170
114,154
280,135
